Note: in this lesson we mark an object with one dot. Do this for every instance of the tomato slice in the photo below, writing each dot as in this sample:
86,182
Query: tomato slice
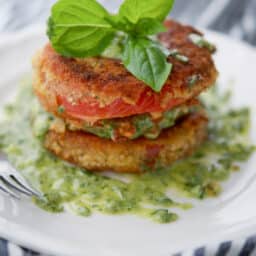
147,103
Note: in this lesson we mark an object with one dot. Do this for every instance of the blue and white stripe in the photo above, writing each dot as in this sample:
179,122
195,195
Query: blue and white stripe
242,247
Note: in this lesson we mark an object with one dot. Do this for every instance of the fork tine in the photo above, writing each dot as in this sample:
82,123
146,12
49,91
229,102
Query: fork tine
4,192
8,191
14,185
23,183
13,178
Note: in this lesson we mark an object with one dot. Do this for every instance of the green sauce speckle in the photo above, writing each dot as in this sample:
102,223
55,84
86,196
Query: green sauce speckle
67,187
177,55
192,80
61,109
202,42
163,216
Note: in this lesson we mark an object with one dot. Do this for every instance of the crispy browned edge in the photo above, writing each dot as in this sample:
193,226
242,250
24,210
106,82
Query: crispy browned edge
96,154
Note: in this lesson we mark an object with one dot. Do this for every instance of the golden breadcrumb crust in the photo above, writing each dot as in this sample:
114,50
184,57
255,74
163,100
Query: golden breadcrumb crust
96,154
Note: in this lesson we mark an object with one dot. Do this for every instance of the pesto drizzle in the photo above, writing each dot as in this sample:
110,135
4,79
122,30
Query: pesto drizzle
70,188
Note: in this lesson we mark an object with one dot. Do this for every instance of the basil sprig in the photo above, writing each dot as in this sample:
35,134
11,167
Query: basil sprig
145,60
84,28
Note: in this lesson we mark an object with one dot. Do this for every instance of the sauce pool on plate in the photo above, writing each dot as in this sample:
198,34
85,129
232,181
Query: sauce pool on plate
67,187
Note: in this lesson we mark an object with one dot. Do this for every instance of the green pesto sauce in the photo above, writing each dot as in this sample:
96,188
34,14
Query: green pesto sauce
71,188
142,125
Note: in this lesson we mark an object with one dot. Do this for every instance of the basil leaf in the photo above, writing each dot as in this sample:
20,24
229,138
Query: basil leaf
119,23
146,61
134,10
144,27
147,26
84,28
79,28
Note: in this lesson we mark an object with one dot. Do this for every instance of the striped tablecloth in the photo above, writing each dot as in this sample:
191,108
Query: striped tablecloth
234,17
242,247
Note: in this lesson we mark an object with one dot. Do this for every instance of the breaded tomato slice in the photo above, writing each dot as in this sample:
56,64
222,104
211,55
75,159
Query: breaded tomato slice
134,156
99,88
132,127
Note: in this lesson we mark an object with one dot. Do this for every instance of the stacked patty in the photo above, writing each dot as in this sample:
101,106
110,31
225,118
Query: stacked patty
106,119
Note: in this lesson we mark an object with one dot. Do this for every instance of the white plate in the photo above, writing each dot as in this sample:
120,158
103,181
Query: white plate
231,215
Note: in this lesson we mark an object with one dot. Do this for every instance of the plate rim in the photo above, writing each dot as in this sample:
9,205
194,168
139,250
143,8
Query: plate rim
40,242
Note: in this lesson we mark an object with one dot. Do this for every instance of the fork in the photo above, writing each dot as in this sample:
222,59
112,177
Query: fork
12,183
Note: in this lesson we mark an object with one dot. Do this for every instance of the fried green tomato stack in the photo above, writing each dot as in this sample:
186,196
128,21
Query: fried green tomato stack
106,119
